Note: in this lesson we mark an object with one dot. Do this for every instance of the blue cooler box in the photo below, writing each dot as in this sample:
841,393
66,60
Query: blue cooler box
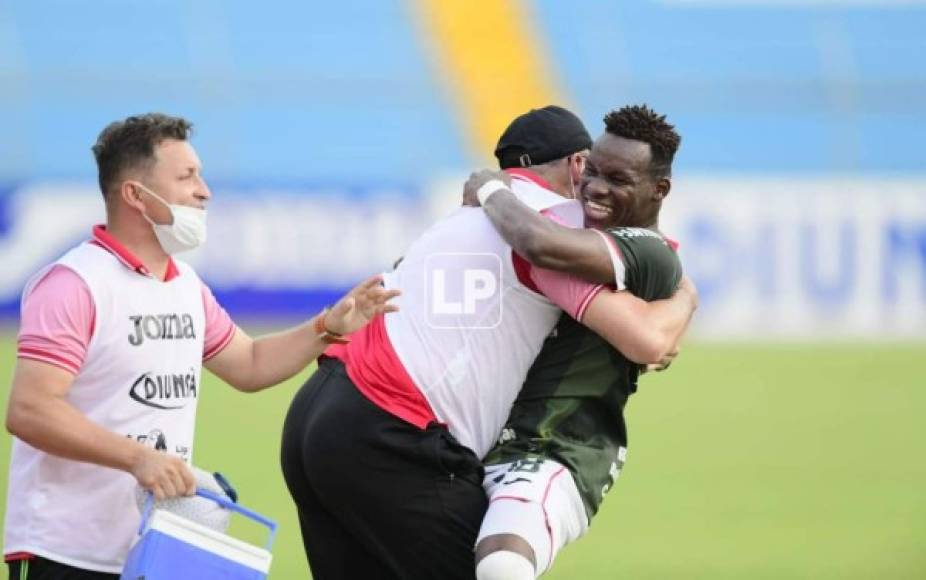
174,548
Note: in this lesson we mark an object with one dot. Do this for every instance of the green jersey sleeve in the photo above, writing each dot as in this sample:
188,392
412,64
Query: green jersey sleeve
651,269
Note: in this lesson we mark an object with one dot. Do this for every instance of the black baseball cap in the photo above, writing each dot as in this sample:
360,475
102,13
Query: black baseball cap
540,136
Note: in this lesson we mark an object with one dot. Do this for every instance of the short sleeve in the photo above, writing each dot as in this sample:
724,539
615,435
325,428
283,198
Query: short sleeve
617,260
220,329
570,293
57,320
651,267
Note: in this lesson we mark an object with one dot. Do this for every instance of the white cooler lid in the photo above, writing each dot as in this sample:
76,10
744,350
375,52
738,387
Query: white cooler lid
210,540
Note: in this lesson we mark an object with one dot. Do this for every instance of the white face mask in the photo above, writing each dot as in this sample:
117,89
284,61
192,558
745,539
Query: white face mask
187,230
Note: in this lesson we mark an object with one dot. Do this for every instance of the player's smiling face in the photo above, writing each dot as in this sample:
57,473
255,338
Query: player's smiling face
618,188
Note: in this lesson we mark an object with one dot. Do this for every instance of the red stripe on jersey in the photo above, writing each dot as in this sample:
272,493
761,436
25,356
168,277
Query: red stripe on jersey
48,357
374,367
588,300
513,497
172,270
528,175
221,344
522,268
105,240
543,507
17,556
546,516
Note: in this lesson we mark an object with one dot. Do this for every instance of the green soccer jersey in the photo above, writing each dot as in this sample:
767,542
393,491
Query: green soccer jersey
570,408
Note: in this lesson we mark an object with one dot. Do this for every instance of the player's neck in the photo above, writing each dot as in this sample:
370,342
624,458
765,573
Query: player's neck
558,184
139,239
651,221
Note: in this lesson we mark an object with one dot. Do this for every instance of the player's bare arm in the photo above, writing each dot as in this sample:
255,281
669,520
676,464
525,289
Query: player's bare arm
250,364
644,332
39,414
541,241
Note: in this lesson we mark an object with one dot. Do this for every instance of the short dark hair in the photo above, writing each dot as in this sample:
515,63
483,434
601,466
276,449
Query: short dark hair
130,143
640,123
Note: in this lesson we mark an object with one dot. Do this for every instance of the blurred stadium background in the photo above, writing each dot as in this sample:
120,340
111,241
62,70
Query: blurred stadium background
787,442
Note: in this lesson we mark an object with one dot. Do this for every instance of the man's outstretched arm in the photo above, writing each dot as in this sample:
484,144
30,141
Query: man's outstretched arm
644,332
250,364
544,243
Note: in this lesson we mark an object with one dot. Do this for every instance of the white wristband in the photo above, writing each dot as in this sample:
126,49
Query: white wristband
488,188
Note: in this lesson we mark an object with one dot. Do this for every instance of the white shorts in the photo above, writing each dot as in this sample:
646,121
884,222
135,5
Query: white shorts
537,500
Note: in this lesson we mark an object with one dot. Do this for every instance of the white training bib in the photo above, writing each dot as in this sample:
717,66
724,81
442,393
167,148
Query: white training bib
140,379
467,329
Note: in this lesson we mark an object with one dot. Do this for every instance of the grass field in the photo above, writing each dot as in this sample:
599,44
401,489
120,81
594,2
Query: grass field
758,461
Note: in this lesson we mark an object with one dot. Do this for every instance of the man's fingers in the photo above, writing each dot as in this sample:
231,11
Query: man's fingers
377,296
390,294
368,289
476,180
667,360
660,366
189,480
469,195
179,482
369,283
372,294
366,300
167,488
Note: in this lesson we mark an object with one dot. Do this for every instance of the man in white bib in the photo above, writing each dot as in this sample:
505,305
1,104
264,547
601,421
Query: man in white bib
112,340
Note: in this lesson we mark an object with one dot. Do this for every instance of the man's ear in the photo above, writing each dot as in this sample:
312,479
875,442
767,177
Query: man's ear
131,194
576,167
663,187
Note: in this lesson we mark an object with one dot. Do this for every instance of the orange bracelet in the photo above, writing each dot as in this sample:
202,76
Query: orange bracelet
326,335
